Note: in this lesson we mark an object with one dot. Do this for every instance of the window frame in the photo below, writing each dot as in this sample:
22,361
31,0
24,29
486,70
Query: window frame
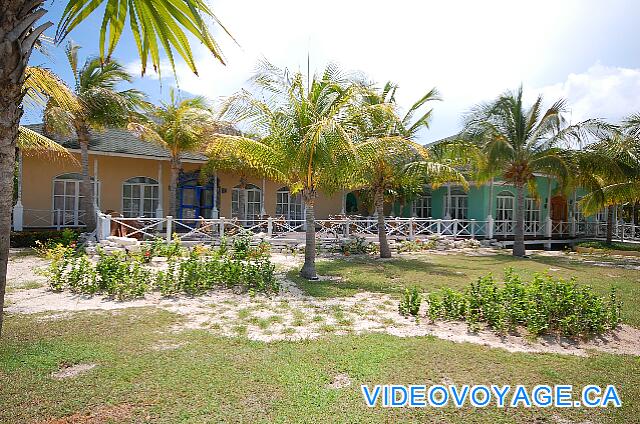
148,183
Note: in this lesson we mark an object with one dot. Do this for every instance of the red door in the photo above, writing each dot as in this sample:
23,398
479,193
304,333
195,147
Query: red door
559,209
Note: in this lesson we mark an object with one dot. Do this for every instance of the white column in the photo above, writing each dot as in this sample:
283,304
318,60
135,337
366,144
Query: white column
96,186
490,203
215,213
447,214
18,210
343,206
548,198
159,208
263,211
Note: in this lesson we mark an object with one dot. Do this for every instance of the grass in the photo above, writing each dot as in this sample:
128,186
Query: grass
212,379
434,272
614,245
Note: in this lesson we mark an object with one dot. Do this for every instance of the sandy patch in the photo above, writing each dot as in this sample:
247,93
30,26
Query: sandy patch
68,371
293,316
165,345
24,270
340,381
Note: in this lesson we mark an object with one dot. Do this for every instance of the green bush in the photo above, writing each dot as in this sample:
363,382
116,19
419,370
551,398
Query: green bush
196,275
543,305
45,238
124,276
410,302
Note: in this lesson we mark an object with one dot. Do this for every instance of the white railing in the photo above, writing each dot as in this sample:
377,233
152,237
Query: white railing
212,230
47,218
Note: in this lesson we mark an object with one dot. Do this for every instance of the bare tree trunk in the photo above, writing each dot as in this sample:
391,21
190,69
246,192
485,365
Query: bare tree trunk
518,237
308,270
385,252
17,37
173,186
86,188
610,223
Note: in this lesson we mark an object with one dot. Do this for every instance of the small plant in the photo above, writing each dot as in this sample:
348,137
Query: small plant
543,305
410,302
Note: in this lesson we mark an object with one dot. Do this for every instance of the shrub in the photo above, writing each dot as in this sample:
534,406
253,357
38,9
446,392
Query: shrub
543,305
124,276
410,302
48,238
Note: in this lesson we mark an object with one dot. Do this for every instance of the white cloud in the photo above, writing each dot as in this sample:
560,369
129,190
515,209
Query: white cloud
472,51
599,92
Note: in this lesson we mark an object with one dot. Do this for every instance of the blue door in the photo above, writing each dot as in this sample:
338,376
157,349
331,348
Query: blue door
195,201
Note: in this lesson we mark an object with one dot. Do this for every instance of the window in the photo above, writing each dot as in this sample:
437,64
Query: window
252,203
532,210
531,216
289,206
505,206
459,206
140,197
67,198
422,206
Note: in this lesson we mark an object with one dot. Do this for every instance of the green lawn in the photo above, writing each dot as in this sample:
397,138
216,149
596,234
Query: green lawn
211,379
432,272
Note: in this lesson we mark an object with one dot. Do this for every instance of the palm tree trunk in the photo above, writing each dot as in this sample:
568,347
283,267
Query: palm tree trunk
173,186
86,188
17,18
518,237
308,270
242,202
385,252
610,223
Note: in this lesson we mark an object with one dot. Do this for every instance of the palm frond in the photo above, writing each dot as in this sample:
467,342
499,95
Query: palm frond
155,26
32,143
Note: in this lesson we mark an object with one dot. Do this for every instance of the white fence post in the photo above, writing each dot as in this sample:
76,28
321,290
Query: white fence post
439,227
472,229
58,219
222,227
489,227
106,226
549,227
269,226
18,212
169,224
573,226
412,222
348,228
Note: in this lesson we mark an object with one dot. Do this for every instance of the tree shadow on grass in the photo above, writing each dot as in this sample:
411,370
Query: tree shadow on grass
368,274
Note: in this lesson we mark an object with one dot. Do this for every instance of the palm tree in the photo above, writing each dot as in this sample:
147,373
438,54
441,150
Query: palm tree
517,143
96,104
158,26
610,170
179,126
386,151
32,143
302,140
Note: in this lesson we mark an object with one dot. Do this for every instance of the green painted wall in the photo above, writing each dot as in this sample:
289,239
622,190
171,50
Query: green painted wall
480,205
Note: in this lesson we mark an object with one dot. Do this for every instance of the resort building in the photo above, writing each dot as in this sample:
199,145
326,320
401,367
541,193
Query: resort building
131,179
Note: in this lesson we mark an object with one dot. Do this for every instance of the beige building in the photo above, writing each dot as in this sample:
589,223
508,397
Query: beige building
132,177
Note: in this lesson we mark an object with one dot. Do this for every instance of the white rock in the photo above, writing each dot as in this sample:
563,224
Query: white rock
123,241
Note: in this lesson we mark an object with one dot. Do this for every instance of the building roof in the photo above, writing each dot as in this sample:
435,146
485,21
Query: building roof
119,142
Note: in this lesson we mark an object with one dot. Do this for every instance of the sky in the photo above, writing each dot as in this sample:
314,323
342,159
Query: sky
585,51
